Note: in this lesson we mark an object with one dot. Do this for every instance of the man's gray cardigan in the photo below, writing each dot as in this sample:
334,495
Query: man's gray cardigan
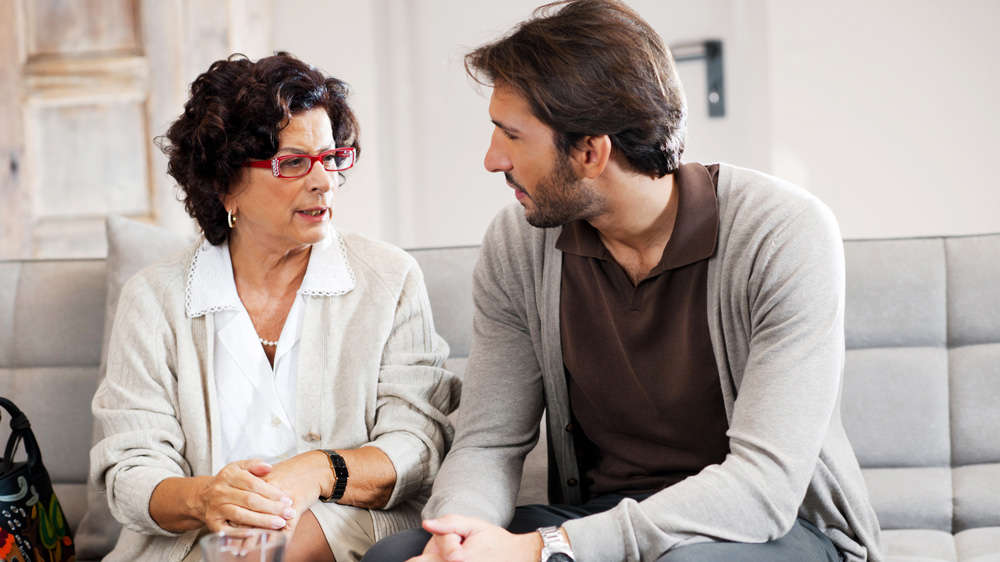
775,312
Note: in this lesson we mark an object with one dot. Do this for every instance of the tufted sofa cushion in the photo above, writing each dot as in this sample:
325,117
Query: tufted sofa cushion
921,385
51,313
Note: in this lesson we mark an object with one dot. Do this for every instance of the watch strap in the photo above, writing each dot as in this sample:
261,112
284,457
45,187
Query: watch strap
339,469
554,546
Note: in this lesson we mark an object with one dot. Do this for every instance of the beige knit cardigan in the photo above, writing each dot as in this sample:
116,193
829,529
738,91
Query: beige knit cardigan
370,374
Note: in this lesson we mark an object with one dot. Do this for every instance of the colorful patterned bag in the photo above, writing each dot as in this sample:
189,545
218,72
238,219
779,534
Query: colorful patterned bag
32,525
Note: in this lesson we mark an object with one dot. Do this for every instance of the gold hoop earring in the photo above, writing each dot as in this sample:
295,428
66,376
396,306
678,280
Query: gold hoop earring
231,218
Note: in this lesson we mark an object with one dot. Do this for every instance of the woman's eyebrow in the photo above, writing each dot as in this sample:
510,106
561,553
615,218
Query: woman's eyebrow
297,150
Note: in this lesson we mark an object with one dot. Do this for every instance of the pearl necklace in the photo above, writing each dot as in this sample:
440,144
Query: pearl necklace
268,343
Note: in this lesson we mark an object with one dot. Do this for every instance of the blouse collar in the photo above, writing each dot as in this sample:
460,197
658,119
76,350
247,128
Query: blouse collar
211,287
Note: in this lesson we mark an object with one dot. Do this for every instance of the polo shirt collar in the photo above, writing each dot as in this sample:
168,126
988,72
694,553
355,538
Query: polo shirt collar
695,229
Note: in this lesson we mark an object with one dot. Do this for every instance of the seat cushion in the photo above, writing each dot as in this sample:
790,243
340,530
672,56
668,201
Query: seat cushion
924,545
978,545
918,545
911,498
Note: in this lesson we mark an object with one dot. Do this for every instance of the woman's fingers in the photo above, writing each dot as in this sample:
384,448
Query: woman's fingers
259,468
231,516
249,475
238,495
261,504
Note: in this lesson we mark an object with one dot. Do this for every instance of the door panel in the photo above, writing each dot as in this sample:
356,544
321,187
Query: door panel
75,176
14,201
61,28
85,86
85,143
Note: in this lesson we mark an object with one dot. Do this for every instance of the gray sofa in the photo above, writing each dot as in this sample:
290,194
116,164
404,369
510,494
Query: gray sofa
920,393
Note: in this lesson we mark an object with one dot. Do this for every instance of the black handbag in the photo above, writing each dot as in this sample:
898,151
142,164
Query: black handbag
32,525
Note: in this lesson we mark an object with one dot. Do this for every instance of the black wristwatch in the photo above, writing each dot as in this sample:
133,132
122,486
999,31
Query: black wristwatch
554,546
339,468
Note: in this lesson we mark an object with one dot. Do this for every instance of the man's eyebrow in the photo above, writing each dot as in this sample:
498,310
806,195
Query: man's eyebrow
504,127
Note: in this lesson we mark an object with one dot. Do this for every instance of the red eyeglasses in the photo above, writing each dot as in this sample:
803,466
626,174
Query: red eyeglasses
298,165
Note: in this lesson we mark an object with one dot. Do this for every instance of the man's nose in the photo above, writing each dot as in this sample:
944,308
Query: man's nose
496,160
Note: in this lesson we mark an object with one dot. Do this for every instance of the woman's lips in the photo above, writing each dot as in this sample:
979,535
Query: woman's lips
316,214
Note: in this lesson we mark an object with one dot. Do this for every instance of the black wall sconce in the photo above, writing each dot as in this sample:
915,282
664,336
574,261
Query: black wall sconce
711,53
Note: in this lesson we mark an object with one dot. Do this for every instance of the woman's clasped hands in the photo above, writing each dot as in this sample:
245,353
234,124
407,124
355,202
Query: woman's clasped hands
254,493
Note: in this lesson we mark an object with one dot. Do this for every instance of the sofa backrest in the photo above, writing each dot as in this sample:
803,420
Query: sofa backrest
448,276
922,378
51,324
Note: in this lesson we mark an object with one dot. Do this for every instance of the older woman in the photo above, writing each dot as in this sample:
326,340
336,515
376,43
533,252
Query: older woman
279,374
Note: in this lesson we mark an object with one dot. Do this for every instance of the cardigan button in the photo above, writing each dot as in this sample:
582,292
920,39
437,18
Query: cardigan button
571,482
311,437
569,427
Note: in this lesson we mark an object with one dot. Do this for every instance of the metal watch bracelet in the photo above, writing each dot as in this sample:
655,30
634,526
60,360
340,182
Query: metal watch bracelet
554,546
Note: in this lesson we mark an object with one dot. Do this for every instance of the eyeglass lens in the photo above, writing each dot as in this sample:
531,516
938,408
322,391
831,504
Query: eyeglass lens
333,161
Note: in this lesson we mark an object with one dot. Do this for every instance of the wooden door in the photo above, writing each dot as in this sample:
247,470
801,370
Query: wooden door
85,86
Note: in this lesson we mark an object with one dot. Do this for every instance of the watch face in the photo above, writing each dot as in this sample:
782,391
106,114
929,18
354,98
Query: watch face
560,557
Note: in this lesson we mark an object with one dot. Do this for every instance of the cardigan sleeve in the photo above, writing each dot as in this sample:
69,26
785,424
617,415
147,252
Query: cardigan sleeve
792,345
136,406
502,395
415,394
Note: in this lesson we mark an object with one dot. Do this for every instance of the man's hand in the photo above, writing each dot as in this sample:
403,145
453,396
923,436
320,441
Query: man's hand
468,539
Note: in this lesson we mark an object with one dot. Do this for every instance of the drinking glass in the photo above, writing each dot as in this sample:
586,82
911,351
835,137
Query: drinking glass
244,545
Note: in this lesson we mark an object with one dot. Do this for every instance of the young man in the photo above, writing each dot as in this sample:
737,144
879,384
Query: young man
680,324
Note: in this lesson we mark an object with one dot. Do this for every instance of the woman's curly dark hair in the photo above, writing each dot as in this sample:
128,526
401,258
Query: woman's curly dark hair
235,113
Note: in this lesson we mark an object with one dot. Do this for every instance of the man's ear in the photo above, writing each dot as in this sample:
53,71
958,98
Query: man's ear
591,155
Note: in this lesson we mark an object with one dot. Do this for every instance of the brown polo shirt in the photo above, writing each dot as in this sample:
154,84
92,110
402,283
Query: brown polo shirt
643,384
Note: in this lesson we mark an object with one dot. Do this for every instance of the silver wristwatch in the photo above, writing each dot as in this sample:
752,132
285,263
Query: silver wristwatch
554,546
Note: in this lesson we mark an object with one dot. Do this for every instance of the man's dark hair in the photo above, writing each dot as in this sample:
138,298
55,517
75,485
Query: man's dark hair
594,67
236,111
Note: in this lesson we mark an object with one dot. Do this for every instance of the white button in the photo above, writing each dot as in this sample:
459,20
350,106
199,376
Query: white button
283,457
275,421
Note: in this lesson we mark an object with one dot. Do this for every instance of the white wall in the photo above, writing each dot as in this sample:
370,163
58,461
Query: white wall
340,38
889,111
882,108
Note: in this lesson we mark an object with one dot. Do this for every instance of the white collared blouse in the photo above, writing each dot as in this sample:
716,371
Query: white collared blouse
256,399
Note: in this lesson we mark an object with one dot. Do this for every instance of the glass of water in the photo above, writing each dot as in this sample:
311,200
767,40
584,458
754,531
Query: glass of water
244,545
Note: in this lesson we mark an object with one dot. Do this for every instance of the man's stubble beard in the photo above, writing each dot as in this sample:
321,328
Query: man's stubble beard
561,198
